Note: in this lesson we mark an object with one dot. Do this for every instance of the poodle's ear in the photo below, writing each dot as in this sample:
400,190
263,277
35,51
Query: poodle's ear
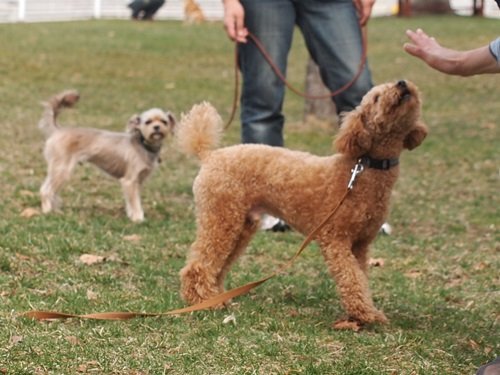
133,123
416,136
353,139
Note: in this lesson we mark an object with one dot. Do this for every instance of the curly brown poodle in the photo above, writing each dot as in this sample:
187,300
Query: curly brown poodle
237,184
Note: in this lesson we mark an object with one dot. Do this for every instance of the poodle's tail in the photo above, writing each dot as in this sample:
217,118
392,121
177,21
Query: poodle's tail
48,122
200,131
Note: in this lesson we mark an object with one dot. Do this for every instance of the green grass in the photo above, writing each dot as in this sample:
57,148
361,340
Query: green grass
439,285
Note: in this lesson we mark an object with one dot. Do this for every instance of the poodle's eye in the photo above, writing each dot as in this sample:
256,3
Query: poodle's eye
163,121
148,122
375,99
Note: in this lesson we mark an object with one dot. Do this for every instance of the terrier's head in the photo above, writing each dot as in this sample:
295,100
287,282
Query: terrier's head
154,125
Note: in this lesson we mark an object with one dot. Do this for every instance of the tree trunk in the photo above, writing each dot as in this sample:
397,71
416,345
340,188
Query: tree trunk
320,111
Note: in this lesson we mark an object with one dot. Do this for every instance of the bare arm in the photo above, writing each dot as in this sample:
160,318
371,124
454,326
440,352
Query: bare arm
449,61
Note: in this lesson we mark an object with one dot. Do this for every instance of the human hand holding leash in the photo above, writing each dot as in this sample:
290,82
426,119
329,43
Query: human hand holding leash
234,21
364,9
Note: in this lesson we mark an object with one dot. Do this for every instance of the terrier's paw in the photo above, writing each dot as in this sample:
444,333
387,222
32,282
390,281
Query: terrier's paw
136,217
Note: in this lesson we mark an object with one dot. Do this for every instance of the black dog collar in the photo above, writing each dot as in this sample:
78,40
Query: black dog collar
369,162
382,164
149,147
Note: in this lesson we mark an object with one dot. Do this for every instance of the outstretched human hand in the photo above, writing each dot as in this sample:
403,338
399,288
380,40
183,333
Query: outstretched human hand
450,61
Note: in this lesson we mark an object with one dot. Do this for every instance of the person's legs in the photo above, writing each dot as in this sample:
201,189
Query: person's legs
272,22
151,9
333,36
136,7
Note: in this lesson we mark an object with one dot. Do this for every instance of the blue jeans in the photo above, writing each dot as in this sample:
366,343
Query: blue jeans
332,36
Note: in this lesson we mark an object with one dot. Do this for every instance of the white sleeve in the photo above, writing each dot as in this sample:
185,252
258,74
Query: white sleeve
495,49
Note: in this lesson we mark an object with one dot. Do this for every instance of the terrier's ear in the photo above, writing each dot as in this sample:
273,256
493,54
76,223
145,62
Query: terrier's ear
172,122
353,139
416,136
133,123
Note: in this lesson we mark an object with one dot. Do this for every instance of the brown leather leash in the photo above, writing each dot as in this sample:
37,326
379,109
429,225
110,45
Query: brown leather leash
282,77
215,301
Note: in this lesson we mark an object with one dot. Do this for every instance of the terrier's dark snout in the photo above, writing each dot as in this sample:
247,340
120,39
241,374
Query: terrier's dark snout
402,84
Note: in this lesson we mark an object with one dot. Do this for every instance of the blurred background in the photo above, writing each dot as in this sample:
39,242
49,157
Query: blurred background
65,10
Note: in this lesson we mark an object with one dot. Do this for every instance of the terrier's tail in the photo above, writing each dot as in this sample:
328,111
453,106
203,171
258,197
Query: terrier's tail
52,107
199,131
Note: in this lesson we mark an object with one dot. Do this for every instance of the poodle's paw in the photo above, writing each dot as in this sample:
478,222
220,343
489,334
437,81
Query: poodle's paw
196,286
380,317
347,324
220,306
194,294
197,299
375,316
367,316
356,323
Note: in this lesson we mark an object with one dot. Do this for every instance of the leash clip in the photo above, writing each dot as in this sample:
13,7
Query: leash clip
358,168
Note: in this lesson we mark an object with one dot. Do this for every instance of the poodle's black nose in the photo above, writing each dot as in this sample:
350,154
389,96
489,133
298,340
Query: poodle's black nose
402,84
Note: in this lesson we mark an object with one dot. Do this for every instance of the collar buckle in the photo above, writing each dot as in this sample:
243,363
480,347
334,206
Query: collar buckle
358,169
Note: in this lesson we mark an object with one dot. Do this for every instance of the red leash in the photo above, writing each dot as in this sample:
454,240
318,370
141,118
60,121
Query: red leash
281,76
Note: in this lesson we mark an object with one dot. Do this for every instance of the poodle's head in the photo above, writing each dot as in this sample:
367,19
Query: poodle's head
386,121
